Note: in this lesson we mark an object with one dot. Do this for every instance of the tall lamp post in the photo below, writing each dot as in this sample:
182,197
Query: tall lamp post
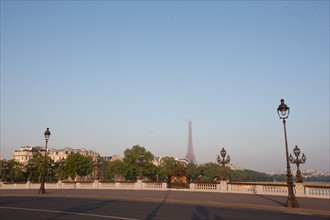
223,161
43,172
298,161
283,112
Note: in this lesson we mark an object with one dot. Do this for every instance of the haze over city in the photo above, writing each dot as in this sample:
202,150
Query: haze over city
107,75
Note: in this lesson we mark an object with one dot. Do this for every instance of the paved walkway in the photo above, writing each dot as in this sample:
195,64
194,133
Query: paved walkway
246,201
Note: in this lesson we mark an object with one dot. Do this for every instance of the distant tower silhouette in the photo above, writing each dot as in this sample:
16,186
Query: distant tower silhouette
190,157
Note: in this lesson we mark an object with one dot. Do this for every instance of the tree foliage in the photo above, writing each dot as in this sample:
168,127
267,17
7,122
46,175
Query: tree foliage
136,157
36,170
168,167
247,176
114,170
79,165
128,169
193,171
11,171
210,172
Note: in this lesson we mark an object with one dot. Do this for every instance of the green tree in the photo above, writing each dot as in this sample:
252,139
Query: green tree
12,171
247,176
279,178
37,160
168,167
193,171
60,169
134,158
211,172
114,170
78,165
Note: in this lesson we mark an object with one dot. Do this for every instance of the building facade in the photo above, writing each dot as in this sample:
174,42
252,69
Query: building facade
24,154
62,154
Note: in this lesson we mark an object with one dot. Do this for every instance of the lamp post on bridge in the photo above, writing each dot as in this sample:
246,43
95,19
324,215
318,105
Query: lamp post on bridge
43,172
223,161
298,161
283,112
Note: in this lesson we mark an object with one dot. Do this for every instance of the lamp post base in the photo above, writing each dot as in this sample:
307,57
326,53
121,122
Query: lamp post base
41,191
292,203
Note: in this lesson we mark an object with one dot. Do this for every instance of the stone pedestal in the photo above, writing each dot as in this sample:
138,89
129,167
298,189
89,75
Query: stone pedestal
164,185
224,185
259,189
96,184
299,189
59,184
28,184
139,184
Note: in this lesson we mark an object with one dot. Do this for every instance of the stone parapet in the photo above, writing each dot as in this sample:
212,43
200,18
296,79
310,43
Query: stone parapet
315,190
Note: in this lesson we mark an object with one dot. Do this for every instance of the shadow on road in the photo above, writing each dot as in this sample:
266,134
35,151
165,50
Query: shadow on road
202,213
272,200
82,209
154,212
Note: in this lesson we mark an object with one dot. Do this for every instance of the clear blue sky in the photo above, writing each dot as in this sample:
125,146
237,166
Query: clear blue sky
107,75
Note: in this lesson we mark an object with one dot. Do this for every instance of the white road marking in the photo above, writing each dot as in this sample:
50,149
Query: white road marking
70,213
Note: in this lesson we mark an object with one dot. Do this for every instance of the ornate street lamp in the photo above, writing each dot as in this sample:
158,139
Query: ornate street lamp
141,161
223,161
283,112
43,172
298,161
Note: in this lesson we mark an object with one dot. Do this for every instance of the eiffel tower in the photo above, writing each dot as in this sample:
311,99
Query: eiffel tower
190,157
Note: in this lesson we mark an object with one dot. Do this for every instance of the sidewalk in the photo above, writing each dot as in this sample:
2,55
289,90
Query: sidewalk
233,200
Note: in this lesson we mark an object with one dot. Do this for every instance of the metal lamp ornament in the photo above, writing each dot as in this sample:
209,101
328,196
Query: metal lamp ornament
223,161
298,161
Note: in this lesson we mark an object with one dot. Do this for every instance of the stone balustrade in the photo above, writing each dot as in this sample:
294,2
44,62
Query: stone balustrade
204,186
315,190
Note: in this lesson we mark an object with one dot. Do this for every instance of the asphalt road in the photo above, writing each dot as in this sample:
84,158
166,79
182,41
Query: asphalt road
39,207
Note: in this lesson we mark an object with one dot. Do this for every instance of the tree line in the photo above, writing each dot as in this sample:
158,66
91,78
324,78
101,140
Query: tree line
137,161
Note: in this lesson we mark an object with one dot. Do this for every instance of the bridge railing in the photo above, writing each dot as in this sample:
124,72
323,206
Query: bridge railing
315,190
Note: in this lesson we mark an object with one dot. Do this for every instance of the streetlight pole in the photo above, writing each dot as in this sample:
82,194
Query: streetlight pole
43,172
223,161
298,161
283,111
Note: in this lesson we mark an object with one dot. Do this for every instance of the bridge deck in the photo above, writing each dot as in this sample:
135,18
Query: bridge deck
249,201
